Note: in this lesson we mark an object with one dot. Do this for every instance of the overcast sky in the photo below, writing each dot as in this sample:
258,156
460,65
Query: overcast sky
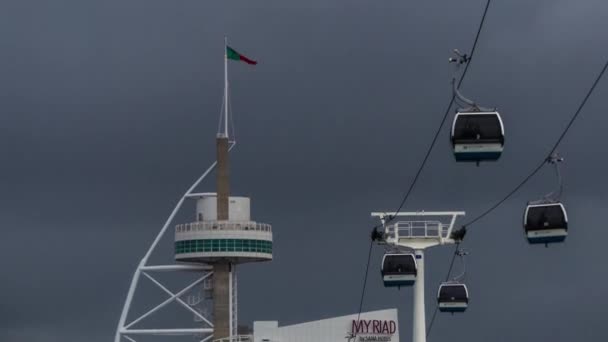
109,109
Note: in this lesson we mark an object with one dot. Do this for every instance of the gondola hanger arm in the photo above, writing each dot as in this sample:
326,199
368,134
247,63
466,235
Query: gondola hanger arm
459,60
555,159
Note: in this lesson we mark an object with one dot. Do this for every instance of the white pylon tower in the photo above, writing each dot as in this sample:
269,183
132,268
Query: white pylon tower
417,231
222,236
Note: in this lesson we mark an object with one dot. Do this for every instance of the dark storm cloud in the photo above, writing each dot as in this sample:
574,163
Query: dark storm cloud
109,110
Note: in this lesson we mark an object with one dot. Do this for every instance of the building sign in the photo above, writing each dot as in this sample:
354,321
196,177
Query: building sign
372,330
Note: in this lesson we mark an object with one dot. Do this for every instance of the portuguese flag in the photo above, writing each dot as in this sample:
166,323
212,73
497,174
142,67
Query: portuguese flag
232,54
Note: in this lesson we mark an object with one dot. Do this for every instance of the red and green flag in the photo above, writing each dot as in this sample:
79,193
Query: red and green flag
232,54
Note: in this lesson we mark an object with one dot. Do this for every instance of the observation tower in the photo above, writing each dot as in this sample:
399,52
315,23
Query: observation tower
221,236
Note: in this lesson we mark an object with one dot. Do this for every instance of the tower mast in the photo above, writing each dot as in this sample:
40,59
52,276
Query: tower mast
226,87
222,268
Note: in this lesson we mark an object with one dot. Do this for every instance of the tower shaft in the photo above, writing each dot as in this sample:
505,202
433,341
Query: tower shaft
221,269
419,329
221,300
223,179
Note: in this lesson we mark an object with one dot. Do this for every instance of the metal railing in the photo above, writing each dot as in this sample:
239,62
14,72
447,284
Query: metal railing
223,225
417,229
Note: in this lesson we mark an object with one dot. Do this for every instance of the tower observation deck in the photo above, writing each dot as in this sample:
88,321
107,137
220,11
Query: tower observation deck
208,240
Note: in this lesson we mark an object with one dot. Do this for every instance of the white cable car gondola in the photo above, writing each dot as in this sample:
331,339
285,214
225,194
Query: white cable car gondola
477,134
399,269
452,297
546,220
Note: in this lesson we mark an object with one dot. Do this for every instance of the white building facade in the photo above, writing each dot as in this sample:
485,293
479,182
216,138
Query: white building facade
373,326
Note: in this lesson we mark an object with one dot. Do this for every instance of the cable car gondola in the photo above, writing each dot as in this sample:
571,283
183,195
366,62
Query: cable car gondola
546,220
452,297
399,269
546,223
477,136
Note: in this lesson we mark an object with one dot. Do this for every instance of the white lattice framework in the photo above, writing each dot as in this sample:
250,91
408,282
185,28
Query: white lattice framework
126,329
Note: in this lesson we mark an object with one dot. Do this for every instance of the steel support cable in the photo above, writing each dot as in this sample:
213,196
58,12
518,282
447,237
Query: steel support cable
528,177
428,153
369,257
428,330
447,277
445,115
559,140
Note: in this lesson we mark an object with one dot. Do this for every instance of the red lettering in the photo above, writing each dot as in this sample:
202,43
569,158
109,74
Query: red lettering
373,327
357,327
377,326
385,327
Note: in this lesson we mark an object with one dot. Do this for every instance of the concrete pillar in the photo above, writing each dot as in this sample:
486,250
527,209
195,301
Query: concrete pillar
221,300
419,329
223,179
221,270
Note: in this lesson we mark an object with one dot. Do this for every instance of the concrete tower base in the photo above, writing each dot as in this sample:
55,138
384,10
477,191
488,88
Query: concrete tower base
221,300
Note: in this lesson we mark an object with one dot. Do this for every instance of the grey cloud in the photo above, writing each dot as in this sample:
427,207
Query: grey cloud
109,110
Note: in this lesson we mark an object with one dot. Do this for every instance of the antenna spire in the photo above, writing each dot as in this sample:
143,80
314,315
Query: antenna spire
226,111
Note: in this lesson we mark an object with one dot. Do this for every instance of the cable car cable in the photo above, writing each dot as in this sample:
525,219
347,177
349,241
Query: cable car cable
375,235
457,245
445,115
559,140
369,256
525,180
427,155
447,277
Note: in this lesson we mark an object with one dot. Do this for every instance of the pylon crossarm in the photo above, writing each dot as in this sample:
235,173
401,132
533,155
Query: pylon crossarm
418,230
383,214
179,300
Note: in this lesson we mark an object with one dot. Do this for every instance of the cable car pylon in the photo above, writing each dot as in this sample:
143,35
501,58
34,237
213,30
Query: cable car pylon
415,232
